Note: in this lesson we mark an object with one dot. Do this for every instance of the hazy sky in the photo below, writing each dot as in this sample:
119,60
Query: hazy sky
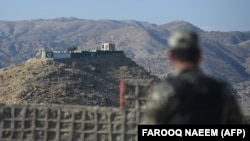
224,15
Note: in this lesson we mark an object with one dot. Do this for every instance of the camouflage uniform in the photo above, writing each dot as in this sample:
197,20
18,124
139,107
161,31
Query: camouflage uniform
191,97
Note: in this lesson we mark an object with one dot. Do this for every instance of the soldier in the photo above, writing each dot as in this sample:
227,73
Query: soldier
188,96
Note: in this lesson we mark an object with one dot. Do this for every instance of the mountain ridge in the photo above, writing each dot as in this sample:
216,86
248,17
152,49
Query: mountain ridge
226,54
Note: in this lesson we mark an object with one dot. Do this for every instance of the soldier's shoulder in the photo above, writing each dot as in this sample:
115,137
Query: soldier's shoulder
157,81
160,87
213,80
226,88
223,83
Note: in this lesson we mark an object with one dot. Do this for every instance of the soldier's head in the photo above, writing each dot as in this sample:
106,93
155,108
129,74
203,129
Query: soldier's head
184,48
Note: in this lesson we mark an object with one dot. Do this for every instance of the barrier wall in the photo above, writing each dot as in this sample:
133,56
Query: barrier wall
66,123
82,54
76,123
61,55
133,93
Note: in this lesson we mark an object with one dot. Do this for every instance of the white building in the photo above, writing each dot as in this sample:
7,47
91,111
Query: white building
108,47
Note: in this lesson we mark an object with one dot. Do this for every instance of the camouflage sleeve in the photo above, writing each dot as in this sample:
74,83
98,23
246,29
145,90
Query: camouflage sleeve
232,109
157,110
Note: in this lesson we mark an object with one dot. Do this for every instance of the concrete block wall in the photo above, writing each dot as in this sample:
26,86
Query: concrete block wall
133,95
76,123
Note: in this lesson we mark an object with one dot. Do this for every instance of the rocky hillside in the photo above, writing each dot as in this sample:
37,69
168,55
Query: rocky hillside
226,54
243,94
87,81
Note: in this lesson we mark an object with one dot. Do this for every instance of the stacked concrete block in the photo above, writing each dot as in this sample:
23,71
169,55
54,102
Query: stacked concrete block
76,123
133,94
67,123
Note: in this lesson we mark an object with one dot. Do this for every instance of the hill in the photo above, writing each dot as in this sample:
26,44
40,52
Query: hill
88,81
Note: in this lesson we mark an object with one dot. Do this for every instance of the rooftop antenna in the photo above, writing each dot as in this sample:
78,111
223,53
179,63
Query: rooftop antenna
111,37
112,40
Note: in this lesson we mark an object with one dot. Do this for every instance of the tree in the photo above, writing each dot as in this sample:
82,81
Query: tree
71,48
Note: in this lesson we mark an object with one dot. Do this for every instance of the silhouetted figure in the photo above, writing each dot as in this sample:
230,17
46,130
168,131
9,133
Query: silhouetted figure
188,96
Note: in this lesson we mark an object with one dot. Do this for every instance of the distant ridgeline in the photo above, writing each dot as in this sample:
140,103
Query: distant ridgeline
106,49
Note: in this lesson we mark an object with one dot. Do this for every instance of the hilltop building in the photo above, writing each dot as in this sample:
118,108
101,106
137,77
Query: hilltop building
106,49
